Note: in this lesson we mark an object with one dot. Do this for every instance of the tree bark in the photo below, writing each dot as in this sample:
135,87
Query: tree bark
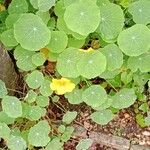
7,70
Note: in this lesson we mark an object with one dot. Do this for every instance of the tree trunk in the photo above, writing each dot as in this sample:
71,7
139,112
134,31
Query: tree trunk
7,70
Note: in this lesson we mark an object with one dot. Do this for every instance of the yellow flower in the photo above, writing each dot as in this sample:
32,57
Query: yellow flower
62,86
86,51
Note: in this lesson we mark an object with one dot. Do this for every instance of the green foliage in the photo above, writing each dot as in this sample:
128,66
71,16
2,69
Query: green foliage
31,32
140,11
84,144
18,7
102,117
79,11
124,98
16,143
35,79
38,134
98,51
135,40
112,21
69,117
12,103
94,96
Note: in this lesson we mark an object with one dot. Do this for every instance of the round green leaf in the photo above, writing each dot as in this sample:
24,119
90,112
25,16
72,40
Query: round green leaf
140,11
101,3
69,116
16,143
45,5
112,22
44,16
3,90
82,17
114,56
31,32
38,134
58,41
11,19
94,96
124,98
69,58
74,97
110,74
52,56
31,96
102,117
34,3
91,64
84,144
24,59
7,38
18,7
55,144
4,118
35,79
38,59
12,106
45,89
35,113
135,40
42,101
69,2
141,62
4,131
74,42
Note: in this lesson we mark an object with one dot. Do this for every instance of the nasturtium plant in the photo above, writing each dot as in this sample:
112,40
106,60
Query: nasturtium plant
45,5
38,134
91,64
35,79
114,56
11,19
102,117
82,17
55,144
7,37
31,96
31,32
75,97
124,98
140,62
18,7
17,143
38,59
112,21
69,117
3,89
58,41
4,131
84,144
45,89
89,58
140,11
94,96
138,39
12,103
4,118
69,57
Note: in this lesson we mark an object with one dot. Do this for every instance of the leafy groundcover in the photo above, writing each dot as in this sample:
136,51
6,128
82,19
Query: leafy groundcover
84,52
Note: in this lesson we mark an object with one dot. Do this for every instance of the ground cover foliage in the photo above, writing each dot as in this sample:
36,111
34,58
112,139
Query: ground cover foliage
88,40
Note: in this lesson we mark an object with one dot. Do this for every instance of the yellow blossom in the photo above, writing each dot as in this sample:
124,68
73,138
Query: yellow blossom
87,51
62,86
